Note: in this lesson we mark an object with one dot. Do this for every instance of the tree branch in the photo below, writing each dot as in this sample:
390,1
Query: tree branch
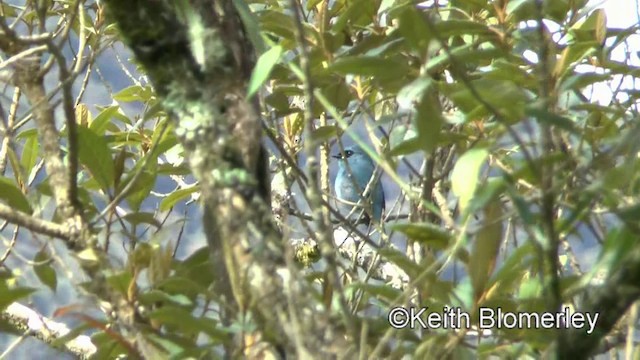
34,224
611,301
24,320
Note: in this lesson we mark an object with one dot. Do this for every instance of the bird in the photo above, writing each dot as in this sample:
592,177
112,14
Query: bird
355,170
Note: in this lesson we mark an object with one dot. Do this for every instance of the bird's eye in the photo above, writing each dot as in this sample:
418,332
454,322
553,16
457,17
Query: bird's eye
348,153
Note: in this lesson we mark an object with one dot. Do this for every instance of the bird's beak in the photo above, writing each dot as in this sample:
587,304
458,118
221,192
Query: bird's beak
337,156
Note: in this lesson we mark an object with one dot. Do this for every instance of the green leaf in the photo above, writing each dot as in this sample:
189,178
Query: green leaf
521,9
504,70
486,247
136,218
425,233
522,207
169,201
469,6
13,196
530,288
385,292
357,12
184,286
149,349
514,268
401,260
45,272
311,3
155,296
338,93
468,54
94,154
29,156
464,178
595,25
175,350
384,68
618,244
428,121
251,24
185,322
403,139
378,46
323,133
103,120
196,268
165,140
549,118
277,23
413,92
9,296
109,347
487,192
454,27
581,80
145,181
506,97
414,29
263,68
573,55
557,10
119,281
134,93
407,147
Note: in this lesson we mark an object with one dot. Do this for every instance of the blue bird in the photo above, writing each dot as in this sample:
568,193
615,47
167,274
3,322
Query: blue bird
349,189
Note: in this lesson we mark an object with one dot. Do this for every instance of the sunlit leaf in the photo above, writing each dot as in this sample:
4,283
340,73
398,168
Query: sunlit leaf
29,157
83,115
465,175
134,93
177,195
263,68
102,121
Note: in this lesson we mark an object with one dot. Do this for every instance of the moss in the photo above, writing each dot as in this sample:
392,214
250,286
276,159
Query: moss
307,253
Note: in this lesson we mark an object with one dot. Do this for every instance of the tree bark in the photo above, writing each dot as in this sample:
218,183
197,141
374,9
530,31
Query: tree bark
199,59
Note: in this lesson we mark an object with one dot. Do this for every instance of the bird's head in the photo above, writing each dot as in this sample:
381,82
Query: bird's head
353,155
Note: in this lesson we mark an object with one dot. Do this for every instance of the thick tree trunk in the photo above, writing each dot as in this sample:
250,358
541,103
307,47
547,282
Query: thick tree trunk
199,59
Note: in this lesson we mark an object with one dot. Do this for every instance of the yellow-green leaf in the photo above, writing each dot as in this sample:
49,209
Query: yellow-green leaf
425,233
486,247
263,68
464,178
168,202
